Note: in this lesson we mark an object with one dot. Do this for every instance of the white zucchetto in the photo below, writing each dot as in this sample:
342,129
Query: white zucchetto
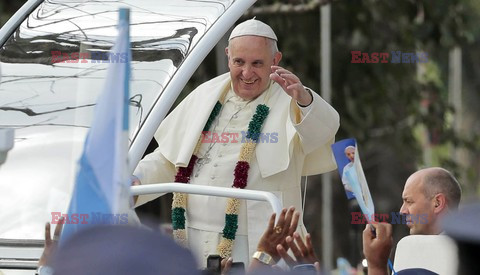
253,27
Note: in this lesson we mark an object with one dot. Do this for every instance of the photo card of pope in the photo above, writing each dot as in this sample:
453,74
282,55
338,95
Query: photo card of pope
351,172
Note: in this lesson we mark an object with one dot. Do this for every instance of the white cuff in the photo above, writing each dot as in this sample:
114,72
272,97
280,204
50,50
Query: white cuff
306,109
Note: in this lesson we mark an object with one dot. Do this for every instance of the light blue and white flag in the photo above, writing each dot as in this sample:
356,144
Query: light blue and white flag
101,190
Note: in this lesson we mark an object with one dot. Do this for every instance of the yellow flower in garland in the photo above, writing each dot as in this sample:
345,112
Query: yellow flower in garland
179,204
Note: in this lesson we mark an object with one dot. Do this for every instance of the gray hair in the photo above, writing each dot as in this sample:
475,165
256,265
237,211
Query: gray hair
273,45
349,147
439,180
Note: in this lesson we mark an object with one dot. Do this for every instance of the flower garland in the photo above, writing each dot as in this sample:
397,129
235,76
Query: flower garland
179,203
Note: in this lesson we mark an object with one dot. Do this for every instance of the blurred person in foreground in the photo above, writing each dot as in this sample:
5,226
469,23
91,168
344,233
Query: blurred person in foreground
463,227
122,250
257,127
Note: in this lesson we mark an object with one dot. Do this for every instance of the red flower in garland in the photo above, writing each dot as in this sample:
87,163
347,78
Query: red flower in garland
241,174
184,173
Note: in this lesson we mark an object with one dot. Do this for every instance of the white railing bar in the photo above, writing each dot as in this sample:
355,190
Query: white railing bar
256,195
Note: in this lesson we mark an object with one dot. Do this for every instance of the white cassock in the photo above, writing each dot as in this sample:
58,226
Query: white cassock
296,142
346,183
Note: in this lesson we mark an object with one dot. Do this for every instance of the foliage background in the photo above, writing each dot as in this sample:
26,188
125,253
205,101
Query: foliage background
400,114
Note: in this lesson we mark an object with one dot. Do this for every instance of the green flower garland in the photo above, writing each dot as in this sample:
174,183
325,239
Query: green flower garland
247,151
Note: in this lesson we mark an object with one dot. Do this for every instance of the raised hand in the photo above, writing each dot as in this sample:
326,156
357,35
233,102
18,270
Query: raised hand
377,247
226,265
302,251
50,243
291,84
276,234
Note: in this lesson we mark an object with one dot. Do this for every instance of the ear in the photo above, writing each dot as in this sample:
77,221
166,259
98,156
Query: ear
439,203
226,51
277,58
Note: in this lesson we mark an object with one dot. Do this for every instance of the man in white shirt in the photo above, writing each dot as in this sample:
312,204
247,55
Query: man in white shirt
293,130
431,192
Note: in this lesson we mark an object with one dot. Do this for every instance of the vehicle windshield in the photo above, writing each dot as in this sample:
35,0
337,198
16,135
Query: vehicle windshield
52,71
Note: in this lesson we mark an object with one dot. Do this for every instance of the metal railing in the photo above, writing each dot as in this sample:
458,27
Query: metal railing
159,188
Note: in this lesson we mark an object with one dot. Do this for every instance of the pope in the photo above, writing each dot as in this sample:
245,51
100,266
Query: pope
256,97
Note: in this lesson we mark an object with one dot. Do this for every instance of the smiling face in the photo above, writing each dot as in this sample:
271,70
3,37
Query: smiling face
250,59
415,203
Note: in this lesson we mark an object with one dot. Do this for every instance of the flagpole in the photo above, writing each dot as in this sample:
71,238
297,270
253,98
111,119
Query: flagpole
327,193
124,206
102,188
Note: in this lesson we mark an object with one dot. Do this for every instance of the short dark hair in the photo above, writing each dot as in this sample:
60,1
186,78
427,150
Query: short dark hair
442,181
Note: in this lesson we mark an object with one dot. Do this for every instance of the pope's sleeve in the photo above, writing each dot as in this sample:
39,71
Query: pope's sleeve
318,126
153,168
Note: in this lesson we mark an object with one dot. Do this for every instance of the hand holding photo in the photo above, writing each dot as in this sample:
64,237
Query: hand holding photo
351,172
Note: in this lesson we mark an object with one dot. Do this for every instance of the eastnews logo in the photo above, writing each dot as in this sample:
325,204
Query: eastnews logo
91,218
396,57
94,57
212,137
396,218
